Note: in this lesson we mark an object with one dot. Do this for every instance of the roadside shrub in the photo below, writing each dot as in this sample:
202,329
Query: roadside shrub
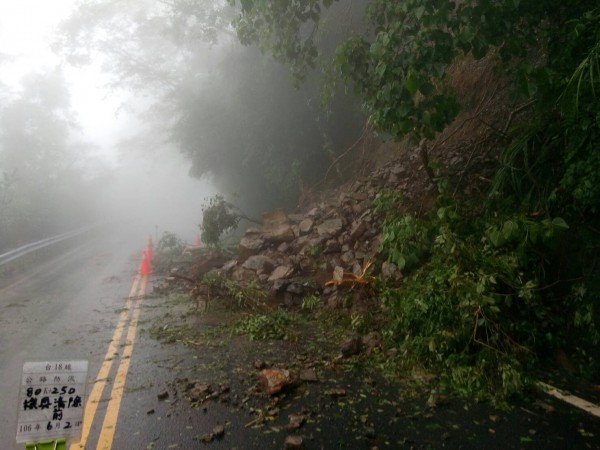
168,250
481,307
274,326
245,296
218,217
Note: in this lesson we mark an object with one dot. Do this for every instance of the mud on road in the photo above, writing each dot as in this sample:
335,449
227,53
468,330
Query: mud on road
215,395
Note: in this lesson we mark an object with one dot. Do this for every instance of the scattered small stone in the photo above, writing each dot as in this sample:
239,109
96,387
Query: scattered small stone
274,380
331,227
332,246
306,225
336,392
296,288
281,272
338,273
296,421
350,346
149,412
545,406
390,271
371,341
199,392
435,400
259,263
293,442
276,227
163,395
358,230
207,438
308,375
218,431
369,432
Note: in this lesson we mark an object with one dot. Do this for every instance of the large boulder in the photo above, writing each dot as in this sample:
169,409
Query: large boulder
331,227
305,226
281,272
251,244
274,380
259,263
358,229
277,227
206,262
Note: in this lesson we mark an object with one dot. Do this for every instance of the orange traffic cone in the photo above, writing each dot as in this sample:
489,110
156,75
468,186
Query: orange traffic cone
145,265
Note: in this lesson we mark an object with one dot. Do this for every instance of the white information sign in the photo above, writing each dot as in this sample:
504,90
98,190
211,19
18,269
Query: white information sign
51,400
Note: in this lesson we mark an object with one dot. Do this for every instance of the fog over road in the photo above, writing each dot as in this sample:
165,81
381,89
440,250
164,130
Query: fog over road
67,309
63,309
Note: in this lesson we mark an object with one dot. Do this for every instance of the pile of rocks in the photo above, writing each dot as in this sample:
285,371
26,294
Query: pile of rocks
313,252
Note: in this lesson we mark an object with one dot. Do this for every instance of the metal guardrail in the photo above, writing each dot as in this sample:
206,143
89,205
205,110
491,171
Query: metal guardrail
26,249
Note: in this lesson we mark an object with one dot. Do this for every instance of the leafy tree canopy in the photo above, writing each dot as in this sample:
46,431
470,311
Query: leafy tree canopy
398,65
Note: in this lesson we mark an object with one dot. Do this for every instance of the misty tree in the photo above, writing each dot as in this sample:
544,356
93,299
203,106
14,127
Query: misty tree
10,219
247,126
289,30
231,110
220,217
41,191
145,44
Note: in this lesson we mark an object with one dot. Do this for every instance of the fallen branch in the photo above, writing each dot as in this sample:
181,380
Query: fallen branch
181,277
513,113
259,419
351,278
335,161
474,116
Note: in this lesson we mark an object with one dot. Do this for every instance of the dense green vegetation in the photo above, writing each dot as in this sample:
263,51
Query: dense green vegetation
497,284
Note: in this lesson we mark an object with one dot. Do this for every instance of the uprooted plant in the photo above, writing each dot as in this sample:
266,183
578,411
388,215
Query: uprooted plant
220,217
249,295
168,250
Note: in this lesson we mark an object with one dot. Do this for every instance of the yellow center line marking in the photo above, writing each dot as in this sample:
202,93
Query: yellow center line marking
112,411
96,394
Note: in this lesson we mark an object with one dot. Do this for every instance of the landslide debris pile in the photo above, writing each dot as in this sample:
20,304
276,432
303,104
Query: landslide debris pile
330,246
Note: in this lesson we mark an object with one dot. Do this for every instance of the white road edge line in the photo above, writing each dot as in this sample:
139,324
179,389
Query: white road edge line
570,399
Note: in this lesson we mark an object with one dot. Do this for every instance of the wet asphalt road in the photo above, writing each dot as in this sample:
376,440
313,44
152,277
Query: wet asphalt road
69,307
62,309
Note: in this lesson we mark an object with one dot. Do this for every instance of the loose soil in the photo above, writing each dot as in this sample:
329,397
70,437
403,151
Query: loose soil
350,403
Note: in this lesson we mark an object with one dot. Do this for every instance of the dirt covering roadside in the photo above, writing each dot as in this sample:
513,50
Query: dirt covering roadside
287,332
330,397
